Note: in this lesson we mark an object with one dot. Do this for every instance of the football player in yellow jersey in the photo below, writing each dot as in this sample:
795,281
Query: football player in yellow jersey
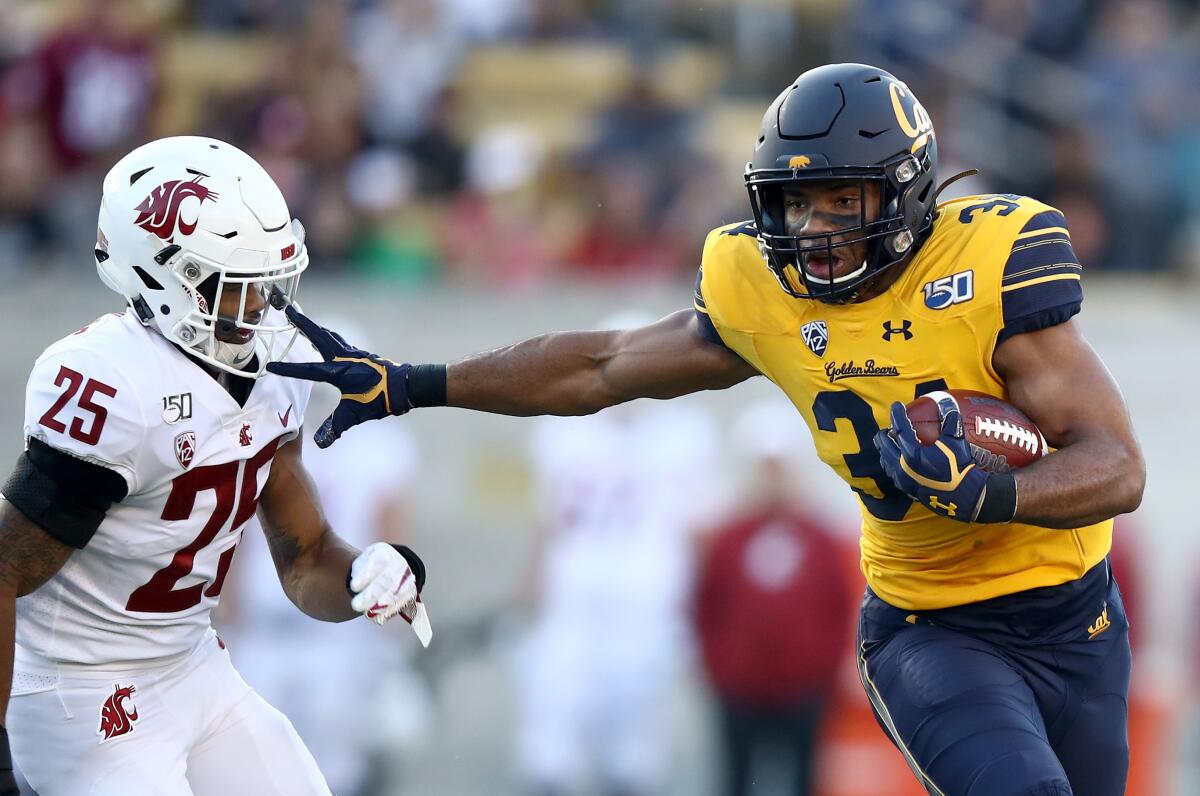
992,640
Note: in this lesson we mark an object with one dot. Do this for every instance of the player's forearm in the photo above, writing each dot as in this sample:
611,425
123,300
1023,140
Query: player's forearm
8,625
1081,484
314,577
561,373
28,558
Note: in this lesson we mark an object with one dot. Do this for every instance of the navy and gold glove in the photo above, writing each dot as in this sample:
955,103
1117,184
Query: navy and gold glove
943,476
372,387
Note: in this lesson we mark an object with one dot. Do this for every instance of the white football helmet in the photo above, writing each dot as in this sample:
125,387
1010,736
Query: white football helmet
186,222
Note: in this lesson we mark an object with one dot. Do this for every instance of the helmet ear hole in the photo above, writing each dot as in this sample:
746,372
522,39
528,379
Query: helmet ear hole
147,280
208,291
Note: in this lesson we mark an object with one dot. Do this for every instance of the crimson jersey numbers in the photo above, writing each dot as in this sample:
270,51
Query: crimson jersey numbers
86,411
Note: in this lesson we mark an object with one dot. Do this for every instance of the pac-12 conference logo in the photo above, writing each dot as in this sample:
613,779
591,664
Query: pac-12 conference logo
185,448
815,335
949,290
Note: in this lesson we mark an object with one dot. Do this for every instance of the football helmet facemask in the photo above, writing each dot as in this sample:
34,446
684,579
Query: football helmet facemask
844,122
186,222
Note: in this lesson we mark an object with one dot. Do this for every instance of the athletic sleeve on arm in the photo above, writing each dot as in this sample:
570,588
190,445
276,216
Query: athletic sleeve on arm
1041,282
64,496
707,330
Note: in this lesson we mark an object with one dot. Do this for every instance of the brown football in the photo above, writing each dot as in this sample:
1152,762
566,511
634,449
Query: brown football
989,422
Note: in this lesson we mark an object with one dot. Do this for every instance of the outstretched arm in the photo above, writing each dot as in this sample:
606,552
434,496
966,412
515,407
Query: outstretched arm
577,373
562,373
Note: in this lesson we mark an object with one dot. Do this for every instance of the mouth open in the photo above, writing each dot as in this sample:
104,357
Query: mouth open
823,267
228,331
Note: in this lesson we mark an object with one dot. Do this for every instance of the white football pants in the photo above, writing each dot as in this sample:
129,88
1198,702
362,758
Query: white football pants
189,728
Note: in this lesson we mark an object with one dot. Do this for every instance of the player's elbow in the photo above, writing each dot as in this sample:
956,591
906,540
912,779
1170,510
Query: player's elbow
1131,482
580,406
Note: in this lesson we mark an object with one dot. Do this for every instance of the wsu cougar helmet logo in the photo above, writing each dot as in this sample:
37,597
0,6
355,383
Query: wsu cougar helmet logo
159,213
119,713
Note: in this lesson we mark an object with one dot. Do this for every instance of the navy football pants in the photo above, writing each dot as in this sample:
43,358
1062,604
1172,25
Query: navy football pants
1022,695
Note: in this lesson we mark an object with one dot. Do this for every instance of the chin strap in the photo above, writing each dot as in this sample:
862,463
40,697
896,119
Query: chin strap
233,355
946,184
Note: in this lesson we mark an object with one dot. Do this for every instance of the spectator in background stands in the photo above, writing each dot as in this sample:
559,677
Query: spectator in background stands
1143,74
437,151
397,241
773,613
621,238
87,90
92,82
407,51
503,229
621,492
631,174
353,76
25,234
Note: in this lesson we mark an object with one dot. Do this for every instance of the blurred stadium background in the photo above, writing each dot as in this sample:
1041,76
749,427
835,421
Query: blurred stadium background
475,171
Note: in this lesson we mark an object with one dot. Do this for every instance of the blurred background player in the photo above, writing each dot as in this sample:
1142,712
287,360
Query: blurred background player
621,495
773,610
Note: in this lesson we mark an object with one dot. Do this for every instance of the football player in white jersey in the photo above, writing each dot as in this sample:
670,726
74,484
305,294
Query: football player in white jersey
152,436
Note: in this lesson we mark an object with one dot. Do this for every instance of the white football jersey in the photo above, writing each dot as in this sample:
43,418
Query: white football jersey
116,393
623,490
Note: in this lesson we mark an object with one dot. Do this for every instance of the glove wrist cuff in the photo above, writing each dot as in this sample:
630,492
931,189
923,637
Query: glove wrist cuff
999,503
410,557
414,563
426,385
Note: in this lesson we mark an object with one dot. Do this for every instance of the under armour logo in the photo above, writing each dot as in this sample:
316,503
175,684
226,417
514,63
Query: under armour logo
889,330
951,508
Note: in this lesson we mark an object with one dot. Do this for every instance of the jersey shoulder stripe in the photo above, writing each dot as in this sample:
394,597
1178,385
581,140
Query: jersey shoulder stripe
1020,248
1041,285
1041,252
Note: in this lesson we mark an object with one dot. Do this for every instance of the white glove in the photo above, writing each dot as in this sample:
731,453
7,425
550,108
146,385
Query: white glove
383,585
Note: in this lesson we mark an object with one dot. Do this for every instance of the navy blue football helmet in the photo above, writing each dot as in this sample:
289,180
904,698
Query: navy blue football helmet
844,122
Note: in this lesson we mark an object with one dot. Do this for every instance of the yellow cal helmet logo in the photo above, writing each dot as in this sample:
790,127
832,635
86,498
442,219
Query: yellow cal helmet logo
920,127
799,161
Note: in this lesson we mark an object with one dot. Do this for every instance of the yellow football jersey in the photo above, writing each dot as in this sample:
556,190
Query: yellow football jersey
992,267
